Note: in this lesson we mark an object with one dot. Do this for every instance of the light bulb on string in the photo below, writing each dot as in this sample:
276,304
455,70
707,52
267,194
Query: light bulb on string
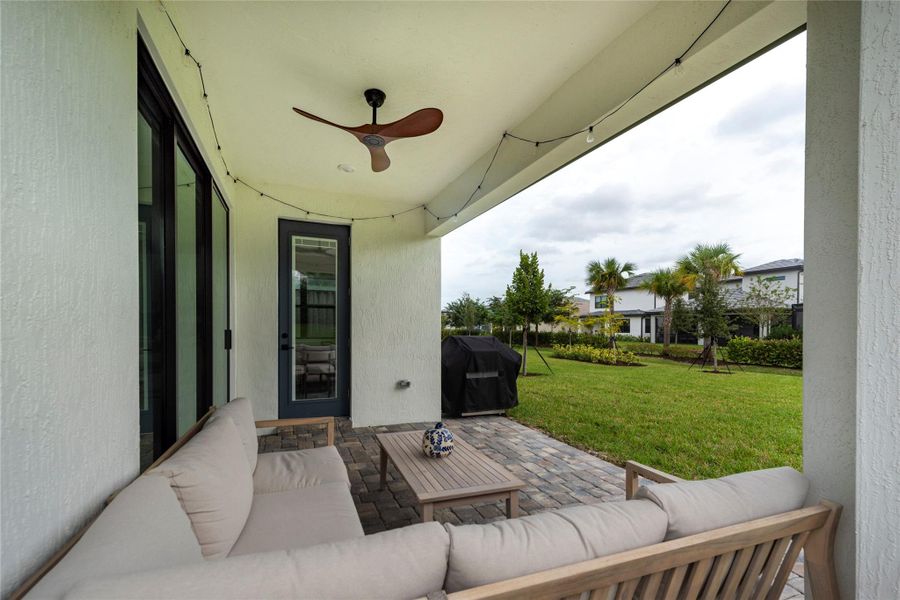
590,135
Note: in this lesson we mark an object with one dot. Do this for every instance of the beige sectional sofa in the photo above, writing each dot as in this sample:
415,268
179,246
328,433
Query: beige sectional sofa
216,520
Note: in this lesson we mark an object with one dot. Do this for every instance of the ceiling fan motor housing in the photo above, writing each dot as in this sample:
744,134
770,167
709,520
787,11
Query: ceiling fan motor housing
374,97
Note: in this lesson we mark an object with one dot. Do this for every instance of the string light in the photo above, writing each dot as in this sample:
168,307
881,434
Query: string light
676,66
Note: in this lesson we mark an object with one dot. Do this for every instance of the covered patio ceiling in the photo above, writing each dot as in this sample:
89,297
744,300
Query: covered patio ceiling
536,69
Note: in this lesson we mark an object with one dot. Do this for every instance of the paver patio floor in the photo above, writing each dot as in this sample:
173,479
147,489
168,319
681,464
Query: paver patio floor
556,474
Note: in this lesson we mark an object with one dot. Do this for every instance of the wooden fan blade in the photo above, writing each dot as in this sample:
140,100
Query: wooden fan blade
421,122
327,122
380,160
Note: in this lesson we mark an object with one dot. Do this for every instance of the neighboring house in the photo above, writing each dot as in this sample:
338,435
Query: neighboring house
584,310
644,311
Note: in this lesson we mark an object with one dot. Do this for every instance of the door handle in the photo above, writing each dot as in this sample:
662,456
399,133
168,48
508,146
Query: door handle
286,347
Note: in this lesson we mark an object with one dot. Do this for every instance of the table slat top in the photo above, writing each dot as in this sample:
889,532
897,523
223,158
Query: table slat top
466,472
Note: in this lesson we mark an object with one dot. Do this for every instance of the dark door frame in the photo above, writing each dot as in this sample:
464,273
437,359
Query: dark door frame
156,105
285,342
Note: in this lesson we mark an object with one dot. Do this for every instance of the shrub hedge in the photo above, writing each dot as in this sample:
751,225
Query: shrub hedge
679,351
545,338
773,353
604,356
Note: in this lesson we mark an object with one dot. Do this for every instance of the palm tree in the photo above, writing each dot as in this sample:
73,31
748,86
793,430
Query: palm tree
605,278
668,284
709,264
713,262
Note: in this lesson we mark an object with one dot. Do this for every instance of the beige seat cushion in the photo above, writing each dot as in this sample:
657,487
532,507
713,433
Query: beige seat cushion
481,554
269,575
143,528
240,411
299,518
280,471
697,506
211,479
409,562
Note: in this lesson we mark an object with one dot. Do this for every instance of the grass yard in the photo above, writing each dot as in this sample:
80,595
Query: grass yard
688,423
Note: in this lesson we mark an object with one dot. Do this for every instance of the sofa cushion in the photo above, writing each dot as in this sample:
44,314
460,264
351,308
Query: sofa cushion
211,479
240,412
268,575
143,528
299,518
280,471
481,554
409,562
697,506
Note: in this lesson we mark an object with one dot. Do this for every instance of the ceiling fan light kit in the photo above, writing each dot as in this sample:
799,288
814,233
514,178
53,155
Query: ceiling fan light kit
376,136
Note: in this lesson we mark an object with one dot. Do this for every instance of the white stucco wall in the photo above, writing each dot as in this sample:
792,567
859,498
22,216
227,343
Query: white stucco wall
851,379
395,307
878,304
791,280
68,274
628,299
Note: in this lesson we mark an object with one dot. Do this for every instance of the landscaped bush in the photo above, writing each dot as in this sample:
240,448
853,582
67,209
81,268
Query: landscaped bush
783,332
604,356
679,351
552,338
625,337
774,353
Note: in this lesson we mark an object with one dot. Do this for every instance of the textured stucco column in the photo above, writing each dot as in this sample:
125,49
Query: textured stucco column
851,400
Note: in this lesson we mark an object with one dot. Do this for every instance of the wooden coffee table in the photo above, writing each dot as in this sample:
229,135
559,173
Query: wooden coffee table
466,476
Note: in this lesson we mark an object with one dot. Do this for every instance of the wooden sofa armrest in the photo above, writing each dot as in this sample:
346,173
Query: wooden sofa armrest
635,470
327,421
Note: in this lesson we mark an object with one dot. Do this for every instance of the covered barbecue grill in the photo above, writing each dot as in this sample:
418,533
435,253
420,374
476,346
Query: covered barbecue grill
478,374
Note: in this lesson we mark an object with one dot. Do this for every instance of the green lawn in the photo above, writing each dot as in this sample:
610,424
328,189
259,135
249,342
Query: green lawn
688,423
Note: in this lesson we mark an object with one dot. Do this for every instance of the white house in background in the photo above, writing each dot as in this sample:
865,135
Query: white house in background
644,311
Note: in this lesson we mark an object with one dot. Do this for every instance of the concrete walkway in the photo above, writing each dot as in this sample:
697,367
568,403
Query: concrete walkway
557,474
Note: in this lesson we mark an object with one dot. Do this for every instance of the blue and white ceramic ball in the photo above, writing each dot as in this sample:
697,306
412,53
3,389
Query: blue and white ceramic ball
438,441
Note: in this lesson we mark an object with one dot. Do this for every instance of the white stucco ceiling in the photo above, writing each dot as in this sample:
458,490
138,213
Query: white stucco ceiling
487,66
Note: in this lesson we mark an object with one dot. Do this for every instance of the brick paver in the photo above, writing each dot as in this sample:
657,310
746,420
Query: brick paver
556,474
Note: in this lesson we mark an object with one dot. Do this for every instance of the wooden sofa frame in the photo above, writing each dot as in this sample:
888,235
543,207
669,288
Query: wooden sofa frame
748,560
57,556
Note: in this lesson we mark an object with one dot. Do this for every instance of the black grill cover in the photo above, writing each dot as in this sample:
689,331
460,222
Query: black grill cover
478,373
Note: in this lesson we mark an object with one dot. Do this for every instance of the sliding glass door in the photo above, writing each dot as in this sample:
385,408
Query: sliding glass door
182,273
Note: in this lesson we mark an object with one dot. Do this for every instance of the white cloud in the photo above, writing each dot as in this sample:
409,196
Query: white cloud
724,164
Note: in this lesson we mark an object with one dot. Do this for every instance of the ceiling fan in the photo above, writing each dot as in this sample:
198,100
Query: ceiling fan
376,136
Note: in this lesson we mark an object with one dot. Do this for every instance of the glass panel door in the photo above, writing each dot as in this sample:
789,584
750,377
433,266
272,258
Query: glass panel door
314,317
221,335
185,294
149,257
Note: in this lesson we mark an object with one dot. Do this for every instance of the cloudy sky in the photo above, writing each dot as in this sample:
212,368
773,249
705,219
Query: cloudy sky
725,164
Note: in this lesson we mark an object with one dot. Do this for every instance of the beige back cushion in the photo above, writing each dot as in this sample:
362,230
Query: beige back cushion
409,562
240,412
697,506
143,528
482,554
211,479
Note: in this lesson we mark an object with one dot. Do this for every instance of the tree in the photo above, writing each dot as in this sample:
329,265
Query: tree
499,314
559,304
683,319
669,285
766,303
466,313
708,265
527,298
605,278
